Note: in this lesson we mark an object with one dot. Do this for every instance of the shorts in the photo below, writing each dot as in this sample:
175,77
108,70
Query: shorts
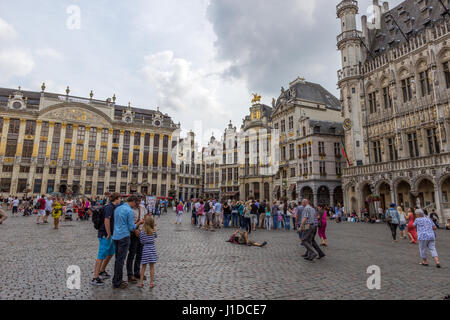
14,209
41,213
47,212
106,248
402,227
254,218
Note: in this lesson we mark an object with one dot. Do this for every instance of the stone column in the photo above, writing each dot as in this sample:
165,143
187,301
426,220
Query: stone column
96,163
60,154
108,161
72,154
4,136
394,196
316,200
439,211
47,158
119,161
84,162
332,198
37,135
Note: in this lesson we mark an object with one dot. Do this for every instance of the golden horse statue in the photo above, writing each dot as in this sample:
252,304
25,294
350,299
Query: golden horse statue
256,98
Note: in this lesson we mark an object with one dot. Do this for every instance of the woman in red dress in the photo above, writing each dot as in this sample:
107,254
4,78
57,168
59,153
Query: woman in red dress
412,232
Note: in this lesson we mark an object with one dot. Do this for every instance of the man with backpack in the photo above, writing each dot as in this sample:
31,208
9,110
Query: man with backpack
393,220
40,206
103,219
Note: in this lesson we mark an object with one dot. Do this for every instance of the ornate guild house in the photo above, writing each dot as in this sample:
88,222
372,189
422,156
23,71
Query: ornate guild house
82,146
395,94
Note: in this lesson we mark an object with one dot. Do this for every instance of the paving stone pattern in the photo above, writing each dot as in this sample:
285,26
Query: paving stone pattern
199,265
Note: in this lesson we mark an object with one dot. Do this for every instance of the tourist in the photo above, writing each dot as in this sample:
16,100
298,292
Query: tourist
180,209
241,214
226,215
209,220
234,214
123,225
287,217
194,215
15,206
393,220
48,208
106,247
135,249
241,238
57,212
218,214
294,216
3,215
299,216
254,214
200,213
412,233
40,206
149,256
403,222
308,229
322,224
268,217
435,218
248,217
262,215
427,237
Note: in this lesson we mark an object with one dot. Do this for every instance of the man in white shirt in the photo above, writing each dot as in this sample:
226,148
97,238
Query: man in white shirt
15,206
48,208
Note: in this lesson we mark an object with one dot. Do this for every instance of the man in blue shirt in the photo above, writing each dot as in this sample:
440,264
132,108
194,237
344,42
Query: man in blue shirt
106,248
123,225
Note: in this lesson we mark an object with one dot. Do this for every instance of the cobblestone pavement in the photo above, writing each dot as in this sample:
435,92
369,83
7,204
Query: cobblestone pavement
195,264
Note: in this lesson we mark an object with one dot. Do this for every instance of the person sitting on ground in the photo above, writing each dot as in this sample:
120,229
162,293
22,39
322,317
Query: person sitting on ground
242,238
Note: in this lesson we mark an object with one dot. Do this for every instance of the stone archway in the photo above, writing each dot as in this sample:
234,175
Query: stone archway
366,191
445,198
425,193
63,188
307,193
384,191
338,196
76,189
323,196
404,196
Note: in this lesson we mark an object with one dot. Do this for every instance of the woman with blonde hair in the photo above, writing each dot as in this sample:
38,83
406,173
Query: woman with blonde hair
402,222
149,256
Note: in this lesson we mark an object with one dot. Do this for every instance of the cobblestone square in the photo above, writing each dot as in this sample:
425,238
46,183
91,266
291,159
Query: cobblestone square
196,264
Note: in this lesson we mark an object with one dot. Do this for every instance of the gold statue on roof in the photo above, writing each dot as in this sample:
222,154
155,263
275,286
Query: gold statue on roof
256,98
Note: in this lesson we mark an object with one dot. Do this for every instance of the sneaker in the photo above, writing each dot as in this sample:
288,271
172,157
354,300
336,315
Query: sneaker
104,275
97,282
264,243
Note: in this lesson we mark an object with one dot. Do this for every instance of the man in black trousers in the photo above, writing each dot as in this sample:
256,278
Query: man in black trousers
308,228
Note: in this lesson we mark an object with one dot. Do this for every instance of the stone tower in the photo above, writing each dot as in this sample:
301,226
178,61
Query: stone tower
349,43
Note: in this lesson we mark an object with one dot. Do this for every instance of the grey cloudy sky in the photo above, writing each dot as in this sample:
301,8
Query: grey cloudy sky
195,59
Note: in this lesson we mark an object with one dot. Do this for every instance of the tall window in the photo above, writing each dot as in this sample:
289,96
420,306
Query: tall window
338,168
114,156
337,149
321,147
372,102
105,134
81,133
413,145
406,89
67,151
14,126
156,141
103,151
27,151
393,153
283,125
291,151
387,98
137,139
54,151
45,129
433,143
376,146
79,152
125,156
91,154
291,123
322,167
69,131
30,127
42,149
116,136
126,138
135,157
425,86
92,136
447,74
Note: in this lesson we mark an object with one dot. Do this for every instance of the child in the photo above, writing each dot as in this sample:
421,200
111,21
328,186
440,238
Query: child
280,220
149,256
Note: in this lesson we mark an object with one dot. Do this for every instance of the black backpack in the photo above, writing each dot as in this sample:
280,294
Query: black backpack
98,217
207,207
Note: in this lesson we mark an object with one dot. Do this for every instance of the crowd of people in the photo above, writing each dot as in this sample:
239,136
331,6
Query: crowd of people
127,230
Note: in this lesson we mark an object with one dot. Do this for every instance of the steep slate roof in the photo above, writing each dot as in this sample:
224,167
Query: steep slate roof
325,126
313,92
410,19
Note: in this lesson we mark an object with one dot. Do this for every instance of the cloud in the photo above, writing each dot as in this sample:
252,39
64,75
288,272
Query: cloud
7,32
50,53
15,63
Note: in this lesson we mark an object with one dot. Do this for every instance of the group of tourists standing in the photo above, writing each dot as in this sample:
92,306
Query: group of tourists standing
126,230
